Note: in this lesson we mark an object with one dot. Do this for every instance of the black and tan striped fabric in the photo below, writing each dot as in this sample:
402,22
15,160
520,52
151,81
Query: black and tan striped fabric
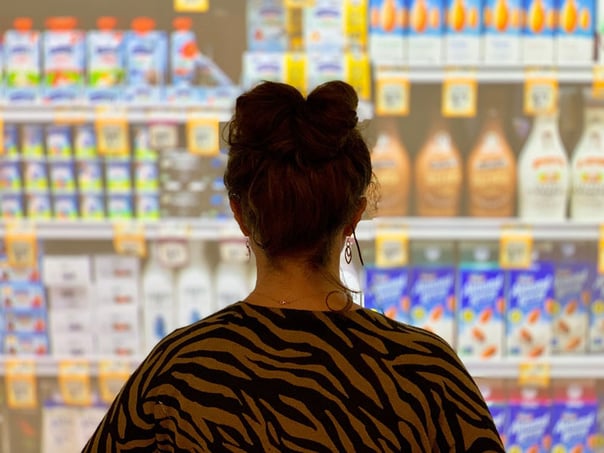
257,379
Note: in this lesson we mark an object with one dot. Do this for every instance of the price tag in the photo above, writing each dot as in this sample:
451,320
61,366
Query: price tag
598,81
191,6
601,251
203,136
459,96
540,95
172,245
74,382
299,3
112,136
391,247
537,374
163,136
21,389
129,239
515,249
112,376
21,245
392,96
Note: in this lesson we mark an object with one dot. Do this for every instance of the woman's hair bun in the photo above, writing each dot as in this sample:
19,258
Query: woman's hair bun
334,106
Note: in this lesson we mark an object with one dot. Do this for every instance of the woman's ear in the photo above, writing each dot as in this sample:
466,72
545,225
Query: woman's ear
236,208
357,217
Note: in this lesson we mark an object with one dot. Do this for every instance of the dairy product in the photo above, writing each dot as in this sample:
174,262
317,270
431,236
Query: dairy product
85,142
388,31
326,66
587,170
22,61
482,304
432,290
543,173
194,288
59,145
32,141
596,319
386,291
491,173
391,166
538,36
575,32
324,26
502,31
64,60
426,29
463,32
530,416
530,307
259,66
232,282
266,26
438,175
105,61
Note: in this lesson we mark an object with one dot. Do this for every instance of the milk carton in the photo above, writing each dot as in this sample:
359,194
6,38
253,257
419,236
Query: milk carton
106,62
502,31
260,66
572,292
388,31
538,35
64,60
266,26
530,306
324,27
22,62
574,415
432,289
323,67
530,418
463,32
386,291
481,302
596,319
426,29
575,32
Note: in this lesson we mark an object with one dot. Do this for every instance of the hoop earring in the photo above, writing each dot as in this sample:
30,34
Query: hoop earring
348,251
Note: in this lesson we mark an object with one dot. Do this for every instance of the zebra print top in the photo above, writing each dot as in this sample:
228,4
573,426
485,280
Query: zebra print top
258,379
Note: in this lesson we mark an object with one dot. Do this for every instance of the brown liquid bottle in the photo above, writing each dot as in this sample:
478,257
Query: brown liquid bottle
391,166
439,174
491,173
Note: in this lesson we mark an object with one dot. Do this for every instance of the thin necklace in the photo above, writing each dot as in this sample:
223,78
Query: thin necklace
282,302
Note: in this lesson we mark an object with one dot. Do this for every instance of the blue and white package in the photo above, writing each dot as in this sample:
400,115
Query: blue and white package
386,291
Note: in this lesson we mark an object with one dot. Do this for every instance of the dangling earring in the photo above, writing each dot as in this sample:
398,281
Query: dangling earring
358,248
348,251
249,251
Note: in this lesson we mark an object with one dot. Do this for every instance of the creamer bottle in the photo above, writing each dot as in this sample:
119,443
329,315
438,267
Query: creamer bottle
587,170
158,299
194,287
543,173
438,173
391,166
491,173
232,274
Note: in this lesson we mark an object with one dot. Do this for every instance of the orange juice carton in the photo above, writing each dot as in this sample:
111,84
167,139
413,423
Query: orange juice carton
502,21
463,32
596,316
432,290
386,291
426,32
575,32
530,420
494,392
530,299
266,26
538,35
388,31
323,27
572,293
574,415
481,298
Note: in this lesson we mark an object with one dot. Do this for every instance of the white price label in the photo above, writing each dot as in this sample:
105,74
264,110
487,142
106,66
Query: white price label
392,96
540,96
203,136
459,97
173,253
191,6
163,136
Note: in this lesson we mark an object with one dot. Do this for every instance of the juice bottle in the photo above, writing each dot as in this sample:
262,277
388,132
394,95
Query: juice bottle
491,172
22,61
587,170
106,61
438,173
543,173
392,168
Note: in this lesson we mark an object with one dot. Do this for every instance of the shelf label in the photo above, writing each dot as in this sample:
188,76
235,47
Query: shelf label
163,136
598,82
536,374
515,248
21,390
540,94
459,96
21,245
191,6
391,247
172,245
74,382
392,95
601,251
112,376
295,70
112,137
203,136
129,239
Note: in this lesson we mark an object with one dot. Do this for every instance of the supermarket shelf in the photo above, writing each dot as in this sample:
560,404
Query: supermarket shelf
416,228
558,367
